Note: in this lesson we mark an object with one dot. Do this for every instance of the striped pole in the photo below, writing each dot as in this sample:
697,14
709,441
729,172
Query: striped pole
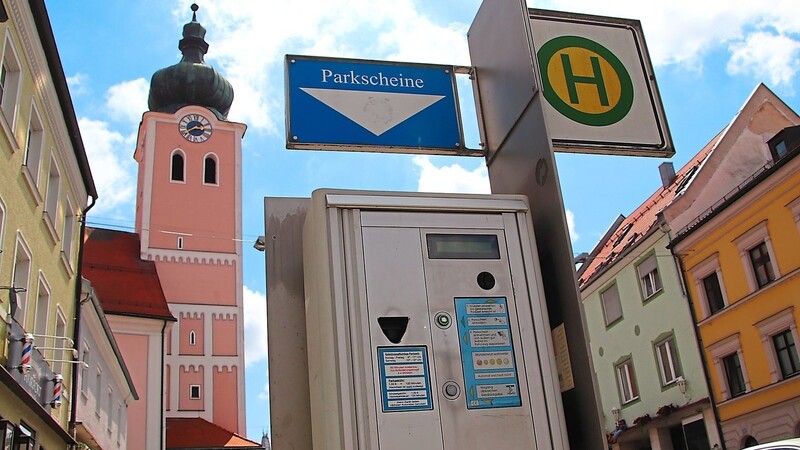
57,385
27,351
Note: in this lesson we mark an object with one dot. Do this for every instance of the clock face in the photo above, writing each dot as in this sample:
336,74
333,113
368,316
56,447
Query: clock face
195,128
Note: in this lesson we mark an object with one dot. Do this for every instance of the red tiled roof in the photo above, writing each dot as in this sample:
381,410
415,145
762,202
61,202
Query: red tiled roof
195,432
125,284
639,223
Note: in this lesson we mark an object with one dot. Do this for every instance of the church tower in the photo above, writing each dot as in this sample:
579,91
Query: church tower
189,219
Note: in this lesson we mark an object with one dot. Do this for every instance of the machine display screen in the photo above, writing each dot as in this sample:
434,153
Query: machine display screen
463,246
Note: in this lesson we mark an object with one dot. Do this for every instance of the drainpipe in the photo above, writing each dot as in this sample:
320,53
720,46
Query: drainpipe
702,351
77,328
685,288
163,423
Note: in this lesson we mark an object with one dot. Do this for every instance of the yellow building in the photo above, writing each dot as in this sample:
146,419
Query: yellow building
44,192
741,262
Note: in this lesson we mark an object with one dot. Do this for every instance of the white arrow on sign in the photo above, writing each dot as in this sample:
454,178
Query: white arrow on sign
377,112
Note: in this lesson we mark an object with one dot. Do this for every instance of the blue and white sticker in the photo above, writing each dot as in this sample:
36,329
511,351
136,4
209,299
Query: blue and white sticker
405,379
487,353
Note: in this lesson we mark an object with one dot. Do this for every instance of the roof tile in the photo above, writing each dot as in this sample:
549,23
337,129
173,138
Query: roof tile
125,284
195,432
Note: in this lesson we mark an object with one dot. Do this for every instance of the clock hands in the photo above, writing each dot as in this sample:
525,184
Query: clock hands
196,127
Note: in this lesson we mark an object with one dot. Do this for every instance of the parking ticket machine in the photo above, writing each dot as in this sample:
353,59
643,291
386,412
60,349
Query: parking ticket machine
426,324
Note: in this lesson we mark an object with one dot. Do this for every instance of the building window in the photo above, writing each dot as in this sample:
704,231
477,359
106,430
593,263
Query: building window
210,173
192,338
53,193
10,77
668,362
42,308
22,269
33,146
85,372
626,381
794,207
648,277
178,167
98,386
786,352
61,331
180,242
612,308
194,391
713,292
709,286
734,375
119,421
67,237
762,267
110,410
779,336
2,226
758,258
729,367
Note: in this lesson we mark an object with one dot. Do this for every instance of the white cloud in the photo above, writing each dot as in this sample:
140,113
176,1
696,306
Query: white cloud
455,178
452,178
255,326
684,32
113,168
766,56
573,235
264,394
77,83
247,44
128,100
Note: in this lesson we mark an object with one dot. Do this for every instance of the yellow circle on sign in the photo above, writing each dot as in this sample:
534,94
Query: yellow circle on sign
595,85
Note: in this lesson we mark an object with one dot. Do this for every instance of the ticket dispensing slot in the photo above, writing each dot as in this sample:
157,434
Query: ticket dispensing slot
426,324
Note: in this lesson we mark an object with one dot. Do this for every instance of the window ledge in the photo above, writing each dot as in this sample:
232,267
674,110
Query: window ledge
749,297
652,296
66,264
31,183
9,132
50,226
759,391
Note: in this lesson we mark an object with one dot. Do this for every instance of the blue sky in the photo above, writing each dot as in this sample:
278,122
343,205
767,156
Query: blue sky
708,58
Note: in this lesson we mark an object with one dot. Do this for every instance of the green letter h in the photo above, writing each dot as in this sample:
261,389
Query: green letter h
596,79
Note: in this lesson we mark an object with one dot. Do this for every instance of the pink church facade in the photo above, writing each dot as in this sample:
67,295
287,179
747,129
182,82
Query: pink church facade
189,219
189,361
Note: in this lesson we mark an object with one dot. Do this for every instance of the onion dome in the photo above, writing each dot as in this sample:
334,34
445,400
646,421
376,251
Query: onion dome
191,81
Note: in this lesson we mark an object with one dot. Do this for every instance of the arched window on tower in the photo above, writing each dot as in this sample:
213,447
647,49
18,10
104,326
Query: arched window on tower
192,338
210,172
177,167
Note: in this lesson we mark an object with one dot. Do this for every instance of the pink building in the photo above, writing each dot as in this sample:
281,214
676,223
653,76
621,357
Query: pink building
189,227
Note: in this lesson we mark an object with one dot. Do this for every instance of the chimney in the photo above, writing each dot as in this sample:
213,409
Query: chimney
667,171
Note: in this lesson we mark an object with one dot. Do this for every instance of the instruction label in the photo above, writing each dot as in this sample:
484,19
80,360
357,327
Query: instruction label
405,379
487,353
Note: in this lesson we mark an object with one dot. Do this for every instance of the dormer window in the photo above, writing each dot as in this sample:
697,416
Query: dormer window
781,149
784,142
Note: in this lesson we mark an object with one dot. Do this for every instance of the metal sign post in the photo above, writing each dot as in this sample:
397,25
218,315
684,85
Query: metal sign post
521,161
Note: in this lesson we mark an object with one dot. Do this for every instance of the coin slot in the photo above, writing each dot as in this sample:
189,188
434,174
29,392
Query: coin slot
393,327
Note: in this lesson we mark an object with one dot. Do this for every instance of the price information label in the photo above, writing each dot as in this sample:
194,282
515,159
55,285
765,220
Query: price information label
487,353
